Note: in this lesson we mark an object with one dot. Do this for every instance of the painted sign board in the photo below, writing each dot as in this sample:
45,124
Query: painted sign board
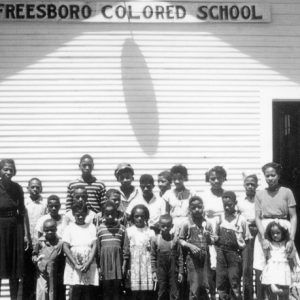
135,12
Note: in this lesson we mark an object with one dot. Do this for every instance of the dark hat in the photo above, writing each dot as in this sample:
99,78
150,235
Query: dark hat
229,194
122,168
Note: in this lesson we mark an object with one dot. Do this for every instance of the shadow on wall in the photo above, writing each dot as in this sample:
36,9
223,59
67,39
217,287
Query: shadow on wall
142,112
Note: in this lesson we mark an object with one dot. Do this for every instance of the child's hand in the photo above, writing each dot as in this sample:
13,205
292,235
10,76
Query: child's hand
84,268
289,247
180,278
194,249
154,276
77,267
210,213
265,244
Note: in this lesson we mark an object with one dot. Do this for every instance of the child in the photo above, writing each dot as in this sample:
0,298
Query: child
178,198
195,236
277,272
36,208
156,206
137,253
80,195
164,182
113,195
166,260
95,189
48,257
53,206
79,244
232,233
124,174
110,241
246,206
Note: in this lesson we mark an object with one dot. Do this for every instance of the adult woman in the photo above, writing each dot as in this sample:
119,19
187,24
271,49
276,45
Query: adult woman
273,203
12,212
213,208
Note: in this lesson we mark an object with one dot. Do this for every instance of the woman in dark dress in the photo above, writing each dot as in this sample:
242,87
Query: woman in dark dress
12,229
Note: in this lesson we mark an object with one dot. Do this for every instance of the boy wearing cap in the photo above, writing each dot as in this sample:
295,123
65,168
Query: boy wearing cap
95,189
232,235
124,174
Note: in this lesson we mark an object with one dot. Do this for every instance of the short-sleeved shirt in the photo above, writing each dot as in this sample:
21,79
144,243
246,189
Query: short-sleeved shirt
35,209
40,224
274,203
156,206
212,203
95,190
247,209
126,201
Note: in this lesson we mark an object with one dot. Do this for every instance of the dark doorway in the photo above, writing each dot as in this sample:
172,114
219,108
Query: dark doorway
286,147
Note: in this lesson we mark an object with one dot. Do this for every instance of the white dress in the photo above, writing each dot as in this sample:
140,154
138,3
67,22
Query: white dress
277,269
80,239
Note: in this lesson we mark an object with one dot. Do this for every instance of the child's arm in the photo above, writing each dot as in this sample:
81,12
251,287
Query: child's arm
154,258
180,263
126,254
182,240
66,247
84,268
35,253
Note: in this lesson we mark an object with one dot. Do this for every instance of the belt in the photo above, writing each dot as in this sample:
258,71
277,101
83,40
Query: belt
8,213
282,217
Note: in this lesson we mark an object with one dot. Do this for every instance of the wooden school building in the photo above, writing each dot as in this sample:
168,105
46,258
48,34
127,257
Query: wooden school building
152,83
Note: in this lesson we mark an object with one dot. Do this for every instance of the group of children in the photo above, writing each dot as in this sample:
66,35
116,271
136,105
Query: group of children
136,244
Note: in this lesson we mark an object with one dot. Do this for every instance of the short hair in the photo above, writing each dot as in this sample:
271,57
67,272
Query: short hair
146,178
86,156
195,198
229,194
140,206
284,231
219,170
166,217
111,192
53,197
36,179
277,167
48,221
8,161
253,176
181,170
167,175
109,203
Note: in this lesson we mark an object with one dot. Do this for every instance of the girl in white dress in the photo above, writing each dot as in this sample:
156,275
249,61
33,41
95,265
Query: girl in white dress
277,272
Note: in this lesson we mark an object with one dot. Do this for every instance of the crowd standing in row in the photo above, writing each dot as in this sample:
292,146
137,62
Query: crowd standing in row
136,244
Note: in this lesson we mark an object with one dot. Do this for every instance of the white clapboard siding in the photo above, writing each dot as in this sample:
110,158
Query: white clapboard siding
150,94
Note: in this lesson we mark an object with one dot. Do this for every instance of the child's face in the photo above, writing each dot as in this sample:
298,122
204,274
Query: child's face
216,181
276,234
163,183
34,189
250,186
147,189
139,218
196,208
86,166
165,226
229,205
110,215
116,199
271,177
50,231
80,217
80,195
53,207
178,181
125,178
7,172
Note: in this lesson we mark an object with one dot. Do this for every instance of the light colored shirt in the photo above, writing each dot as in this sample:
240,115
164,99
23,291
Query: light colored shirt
125,201
35,209
247,209
156,206
40,223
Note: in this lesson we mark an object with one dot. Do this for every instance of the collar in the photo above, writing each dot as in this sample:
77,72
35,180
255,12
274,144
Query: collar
37,201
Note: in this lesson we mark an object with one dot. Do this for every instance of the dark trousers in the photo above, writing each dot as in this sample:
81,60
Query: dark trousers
167,275
83,292
229,273
197,278
111,289
247,255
